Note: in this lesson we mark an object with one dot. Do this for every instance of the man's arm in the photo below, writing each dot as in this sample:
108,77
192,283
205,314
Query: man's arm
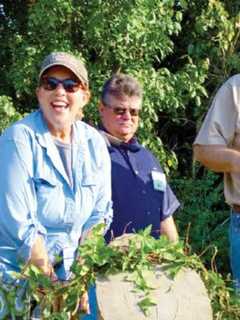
218,158
168,228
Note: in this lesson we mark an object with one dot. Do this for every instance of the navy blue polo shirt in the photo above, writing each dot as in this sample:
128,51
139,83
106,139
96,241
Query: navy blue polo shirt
136,203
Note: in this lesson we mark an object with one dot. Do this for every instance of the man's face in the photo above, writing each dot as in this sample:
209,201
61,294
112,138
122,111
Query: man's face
120,116
60,104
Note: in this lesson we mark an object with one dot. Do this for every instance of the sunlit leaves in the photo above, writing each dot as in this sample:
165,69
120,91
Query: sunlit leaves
8,113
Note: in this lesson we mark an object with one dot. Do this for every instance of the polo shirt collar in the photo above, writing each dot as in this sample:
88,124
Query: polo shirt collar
113,142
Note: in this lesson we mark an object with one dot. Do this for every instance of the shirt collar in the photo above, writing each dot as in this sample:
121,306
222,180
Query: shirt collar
132,145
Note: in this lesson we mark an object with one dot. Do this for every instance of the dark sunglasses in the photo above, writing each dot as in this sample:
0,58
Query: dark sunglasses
122,111
51,83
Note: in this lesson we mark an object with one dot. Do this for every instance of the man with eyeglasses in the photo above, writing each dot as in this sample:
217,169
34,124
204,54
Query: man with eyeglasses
55,177
140,192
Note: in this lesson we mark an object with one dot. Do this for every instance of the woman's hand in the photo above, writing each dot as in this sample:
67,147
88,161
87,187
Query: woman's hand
84,304
40,259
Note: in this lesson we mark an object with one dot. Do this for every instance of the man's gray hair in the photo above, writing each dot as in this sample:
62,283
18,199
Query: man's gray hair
121,84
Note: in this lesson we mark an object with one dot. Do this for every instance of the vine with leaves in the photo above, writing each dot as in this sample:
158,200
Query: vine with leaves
60,300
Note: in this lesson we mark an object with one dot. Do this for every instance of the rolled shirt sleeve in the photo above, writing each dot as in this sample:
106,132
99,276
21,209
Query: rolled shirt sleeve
221,126
223,118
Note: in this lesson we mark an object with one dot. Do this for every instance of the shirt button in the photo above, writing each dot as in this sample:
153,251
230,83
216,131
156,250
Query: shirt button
148,213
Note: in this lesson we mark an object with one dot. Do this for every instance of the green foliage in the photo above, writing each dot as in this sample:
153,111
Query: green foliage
8,114
215,23
180,51
204,219
131,36
215,36
97,259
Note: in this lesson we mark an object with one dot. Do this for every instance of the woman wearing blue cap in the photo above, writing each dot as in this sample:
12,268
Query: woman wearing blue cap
55,175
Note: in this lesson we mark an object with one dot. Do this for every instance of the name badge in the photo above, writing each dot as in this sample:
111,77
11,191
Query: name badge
159,180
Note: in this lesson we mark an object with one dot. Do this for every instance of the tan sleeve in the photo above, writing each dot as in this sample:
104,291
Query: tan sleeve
222,120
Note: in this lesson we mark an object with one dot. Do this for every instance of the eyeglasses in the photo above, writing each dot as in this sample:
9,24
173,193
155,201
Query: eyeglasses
51,83
134,112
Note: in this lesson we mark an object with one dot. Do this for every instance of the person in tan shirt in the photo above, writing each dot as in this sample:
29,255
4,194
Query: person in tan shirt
217,146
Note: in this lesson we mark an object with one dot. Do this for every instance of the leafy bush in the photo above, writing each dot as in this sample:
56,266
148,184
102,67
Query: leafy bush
8,114
181,51
204,218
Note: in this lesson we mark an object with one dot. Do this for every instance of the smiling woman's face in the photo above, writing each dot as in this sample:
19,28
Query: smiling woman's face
59,106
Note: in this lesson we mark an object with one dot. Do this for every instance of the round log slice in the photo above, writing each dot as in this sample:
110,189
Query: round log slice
182,298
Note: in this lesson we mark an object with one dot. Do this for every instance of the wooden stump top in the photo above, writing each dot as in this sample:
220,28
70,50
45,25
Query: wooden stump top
182,298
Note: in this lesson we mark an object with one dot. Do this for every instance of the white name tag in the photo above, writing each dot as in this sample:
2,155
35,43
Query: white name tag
159,180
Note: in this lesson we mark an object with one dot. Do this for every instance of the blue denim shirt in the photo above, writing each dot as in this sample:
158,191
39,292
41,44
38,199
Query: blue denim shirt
36,196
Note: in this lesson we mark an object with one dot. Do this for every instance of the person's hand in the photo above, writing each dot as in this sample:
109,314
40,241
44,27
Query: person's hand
40,259
84,303
47,269
82,306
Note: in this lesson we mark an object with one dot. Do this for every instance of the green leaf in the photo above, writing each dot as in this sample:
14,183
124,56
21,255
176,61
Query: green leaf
145,304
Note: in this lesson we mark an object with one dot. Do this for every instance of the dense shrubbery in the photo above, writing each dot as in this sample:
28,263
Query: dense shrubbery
181,51
8,113
203,219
